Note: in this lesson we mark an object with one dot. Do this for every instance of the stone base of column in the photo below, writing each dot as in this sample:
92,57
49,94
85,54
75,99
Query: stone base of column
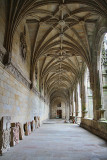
100,114
84,114
74,114
66,121
78,120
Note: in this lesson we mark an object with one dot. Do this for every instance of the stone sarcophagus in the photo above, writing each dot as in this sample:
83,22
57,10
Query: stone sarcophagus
33,125
27,127
5,134
14,134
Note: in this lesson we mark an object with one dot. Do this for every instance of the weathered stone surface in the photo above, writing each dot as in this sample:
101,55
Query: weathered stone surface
5,123
33,125
55,108
39,124
96,127
4,141
15,99
21,132
48,61
36,122
4,134
14,134
27,128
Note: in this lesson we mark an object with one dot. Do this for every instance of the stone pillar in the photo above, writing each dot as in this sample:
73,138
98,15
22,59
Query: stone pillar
98,110
76,101
67,113
74,111
71,116
84,94
89,97
79,104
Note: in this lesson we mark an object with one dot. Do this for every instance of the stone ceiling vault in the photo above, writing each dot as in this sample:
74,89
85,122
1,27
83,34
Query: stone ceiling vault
61,34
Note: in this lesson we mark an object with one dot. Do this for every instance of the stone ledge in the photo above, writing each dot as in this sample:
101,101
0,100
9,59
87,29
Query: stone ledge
96,127
15,71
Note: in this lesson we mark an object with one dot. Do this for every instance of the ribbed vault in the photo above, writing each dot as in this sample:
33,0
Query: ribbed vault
61,33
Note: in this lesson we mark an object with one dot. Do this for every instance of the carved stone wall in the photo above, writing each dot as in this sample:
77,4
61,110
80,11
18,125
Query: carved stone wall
18,74
18,100
21,49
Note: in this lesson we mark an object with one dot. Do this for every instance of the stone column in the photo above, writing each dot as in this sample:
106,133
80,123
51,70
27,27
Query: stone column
74,111
79,104
67,113
84,94
97,96
76,102
71,105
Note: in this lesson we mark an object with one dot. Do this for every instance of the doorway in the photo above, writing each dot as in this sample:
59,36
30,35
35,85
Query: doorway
59,113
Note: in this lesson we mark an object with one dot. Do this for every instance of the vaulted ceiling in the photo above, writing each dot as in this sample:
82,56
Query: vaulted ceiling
61,33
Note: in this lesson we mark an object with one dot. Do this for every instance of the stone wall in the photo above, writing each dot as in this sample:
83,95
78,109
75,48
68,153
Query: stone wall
54,109
97,127
2,21
23,65
19,102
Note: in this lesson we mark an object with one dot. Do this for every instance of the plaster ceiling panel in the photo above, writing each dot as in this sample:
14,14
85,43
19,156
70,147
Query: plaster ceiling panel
41,15
90,28
73,7
48,7
32,27
43,31
82,14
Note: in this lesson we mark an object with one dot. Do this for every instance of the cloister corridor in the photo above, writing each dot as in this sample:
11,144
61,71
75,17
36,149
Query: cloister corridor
53,79
56,140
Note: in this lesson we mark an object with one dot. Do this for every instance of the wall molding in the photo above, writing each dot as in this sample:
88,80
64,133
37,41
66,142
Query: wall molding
18,74
13,69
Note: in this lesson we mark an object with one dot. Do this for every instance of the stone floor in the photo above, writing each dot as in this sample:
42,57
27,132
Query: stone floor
56,140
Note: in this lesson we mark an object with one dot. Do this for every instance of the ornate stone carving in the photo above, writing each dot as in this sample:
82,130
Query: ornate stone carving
36,122
39,124
21,131
4,134
14,134
14,69
33,125
27,128
4,141
23,44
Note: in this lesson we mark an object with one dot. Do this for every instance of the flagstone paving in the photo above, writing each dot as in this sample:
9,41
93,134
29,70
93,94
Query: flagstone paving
56,140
